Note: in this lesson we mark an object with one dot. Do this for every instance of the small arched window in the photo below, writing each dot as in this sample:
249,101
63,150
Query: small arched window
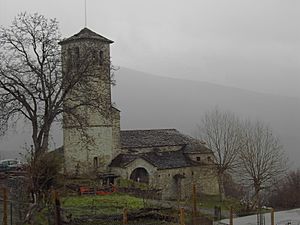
101,57
96,162
73,57
76,59
76,54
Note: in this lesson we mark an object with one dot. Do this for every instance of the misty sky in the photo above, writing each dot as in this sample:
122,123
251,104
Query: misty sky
253,44
250,44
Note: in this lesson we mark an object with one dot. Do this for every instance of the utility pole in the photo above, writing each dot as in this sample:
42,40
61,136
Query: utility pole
4,222
194,204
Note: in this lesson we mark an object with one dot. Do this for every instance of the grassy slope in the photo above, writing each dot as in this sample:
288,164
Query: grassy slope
210,201
105,205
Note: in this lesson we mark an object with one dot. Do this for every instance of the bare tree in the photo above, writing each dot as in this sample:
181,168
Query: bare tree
262,158
286,193
33,85
222,133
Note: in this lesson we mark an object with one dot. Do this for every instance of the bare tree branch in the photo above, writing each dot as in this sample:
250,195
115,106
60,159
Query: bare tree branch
261,160
34,85
222,133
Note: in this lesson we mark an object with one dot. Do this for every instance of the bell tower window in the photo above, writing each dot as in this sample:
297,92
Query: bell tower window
76,53
96,162
101,57
73,57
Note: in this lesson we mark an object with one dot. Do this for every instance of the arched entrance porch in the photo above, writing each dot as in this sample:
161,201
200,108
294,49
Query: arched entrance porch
140,175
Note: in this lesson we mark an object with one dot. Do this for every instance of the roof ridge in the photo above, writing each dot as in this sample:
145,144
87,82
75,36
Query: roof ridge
86,33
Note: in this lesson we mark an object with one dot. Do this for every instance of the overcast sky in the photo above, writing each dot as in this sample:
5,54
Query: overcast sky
253,44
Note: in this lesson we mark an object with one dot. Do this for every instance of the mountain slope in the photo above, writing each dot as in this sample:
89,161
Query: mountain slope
148,101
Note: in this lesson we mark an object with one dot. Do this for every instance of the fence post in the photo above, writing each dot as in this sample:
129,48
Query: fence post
4,222
181,216
125,216
231,216
11,213
272,217
57,209
217,213
194,204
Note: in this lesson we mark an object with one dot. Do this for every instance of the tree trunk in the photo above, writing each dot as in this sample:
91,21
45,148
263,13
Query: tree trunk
256,198
221,186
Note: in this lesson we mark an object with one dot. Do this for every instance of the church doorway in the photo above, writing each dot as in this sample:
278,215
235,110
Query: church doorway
140,175
176,186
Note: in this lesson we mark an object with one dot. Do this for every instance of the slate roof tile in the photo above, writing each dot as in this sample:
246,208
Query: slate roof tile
161,137
152,138
86,33
167,160
122,160
195,146
161,160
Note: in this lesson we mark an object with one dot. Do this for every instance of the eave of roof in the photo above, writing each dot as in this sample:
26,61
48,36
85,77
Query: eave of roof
160,160
86,34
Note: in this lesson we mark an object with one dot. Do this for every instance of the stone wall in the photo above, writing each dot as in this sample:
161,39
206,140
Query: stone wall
206,179
80,154
138,163
206,158
98,76
116,132
172,188
90,146
181,188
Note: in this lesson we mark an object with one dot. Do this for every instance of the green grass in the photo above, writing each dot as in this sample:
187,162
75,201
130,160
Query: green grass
210,201
130,183
143,222
105,205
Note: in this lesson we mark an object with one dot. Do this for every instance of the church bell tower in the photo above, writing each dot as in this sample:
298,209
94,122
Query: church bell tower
91,126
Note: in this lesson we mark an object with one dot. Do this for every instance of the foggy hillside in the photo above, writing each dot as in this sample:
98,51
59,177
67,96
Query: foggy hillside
148,101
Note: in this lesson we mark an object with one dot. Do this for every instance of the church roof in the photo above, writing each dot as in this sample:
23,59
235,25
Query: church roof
123,160
168,160
86,33
161,160
160,138
152,138
196,146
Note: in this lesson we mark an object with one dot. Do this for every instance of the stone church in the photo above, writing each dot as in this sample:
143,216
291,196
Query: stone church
163,158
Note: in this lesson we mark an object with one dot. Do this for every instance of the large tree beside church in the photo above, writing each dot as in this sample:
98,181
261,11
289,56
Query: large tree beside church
33,86
222,133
